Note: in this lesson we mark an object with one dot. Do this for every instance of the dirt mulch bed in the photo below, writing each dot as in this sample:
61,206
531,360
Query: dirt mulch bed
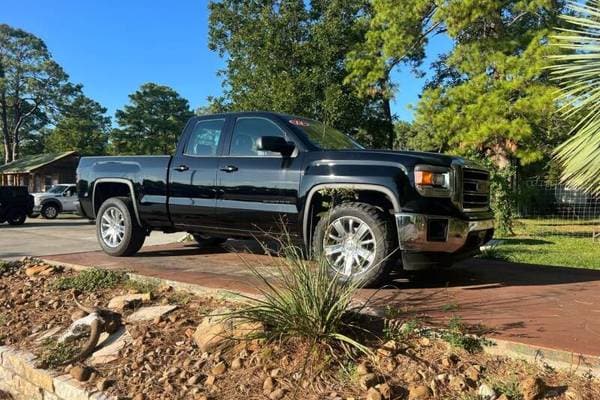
164,362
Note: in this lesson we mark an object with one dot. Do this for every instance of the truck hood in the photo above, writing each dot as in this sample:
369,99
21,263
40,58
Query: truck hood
407,158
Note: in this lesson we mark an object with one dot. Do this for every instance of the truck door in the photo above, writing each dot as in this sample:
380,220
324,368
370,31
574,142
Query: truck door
258,191
68,198
192,175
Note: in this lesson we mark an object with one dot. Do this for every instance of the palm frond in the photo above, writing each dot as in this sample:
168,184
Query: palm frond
577,72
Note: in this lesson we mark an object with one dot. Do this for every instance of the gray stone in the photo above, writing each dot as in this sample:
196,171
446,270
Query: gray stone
111,347
121,302
486,392
150,313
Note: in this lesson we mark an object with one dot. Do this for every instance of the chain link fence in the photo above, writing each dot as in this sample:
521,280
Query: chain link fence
555,209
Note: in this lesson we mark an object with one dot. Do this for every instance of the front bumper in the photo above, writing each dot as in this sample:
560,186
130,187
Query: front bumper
431,240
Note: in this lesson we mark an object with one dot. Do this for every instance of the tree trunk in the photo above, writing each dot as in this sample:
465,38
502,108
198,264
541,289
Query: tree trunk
4,115
389,128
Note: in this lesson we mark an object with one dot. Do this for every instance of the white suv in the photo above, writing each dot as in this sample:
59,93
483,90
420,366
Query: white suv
60,198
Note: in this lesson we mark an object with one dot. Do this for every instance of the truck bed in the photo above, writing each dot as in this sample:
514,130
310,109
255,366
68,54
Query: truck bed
147,174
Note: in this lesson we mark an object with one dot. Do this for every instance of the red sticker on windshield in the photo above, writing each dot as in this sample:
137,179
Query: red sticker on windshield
299,122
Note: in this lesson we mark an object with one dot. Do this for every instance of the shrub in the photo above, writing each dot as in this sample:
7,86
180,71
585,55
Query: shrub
302,300
493,252
53,354
91,280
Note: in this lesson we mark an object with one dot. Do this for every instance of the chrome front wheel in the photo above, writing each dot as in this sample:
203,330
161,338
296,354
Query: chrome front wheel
349,246
355,240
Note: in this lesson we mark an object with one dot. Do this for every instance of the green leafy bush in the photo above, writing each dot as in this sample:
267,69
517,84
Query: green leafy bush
91,280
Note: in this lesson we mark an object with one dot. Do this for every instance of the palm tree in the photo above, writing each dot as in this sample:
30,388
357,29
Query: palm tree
577,70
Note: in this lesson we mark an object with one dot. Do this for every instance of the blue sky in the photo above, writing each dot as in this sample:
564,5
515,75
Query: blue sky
112,47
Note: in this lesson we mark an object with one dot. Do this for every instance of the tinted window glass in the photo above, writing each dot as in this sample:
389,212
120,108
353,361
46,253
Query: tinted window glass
204,140
245,133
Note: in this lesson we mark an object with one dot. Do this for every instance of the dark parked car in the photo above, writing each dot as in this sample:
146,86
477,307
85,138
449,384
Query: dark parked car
15,204
250,174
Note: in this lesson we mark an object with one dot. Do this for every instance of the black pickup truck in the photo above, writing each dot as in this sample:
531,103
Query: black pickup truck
15,204
259,173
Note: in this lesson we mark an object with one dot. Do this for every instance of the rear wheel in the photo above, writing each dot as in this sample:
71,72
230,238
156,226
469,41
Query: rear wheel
205,240
16,217
50,211
117,229
356,241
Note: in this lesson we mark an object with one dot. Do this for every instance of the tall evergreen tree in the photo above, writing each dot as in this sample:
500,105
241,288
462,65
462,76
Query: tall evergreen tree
82,126
152,122
32,87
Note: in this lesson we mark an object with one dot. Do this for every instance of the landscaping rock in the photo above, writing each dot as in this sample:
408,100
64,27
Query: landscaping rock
150,313
111,347
40,269
385,390
80,373
128,300
276,394
532,388
485,392
268,385
236,364
419,392
457,383
210,380
219,369
216,328
472,373
362,369
373,394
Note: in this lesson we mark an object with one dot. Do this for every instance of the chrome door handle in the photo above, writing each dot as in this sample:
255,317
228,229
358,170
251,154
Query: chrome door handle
182,168
229,168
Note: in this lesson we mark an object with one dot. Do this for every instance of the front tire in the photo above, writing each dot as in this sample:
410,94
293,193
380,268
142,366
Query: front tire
117,230
16,217
356,242
50,211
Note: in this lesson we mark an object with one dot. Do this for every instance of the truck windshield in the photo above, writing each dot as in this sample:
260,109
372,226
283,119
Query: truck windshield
57,189
325,137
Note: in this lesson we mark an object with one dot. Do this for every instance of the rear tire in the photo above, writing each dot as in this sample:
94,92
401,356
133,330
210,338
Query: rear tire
16,217
117,229
208,241
50,211
358,232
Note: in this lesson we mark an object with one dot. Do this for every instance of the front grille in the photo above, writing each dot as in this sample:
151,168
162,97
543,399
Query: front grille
476,189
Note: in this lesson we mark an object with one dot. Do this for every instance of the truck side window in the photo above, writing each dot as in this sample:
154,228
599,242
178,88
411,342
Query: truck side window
245,133
204,139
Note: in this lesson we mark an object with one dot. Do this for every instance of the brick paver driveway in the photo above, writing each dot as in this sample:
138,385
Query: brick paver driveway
544,306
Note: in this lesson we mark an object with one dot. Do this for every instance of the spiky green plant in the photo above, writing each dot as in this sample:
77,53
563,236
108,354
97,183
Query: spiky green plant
302,300
577,72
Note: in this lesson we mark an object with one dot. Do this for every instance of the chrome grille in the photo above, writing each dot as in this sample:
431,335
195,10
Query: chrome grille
475,189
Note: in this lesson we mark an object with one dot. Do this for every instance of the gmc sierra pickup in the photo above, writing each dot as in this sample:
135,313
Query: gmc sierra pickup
249,174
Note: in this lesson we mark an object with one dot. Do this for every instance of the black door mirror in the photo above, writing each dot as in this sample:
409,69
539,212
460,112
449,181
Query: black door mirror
276,144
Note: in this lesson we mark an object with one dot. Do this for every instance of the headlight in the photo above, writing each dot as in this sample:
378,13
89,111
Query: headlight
433,181
37,201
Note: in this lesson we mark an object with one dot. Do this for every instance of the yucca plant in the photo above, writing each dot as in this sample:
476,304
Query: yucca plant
577,70
301,300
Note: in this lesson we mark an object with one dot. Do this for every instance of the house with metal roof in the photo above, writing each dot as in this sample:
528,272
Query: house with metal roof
39,172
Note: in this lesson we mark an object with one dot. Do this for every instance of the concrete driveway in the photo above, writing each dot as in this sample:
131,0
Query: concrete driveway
66,234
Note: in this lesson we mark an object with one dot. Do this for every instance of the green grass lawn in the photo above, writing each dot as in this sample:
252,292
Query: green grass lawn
552,242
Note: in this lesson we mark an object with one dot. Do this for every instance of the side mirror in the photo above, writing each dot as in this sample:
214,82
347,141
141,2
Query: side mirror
276,144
